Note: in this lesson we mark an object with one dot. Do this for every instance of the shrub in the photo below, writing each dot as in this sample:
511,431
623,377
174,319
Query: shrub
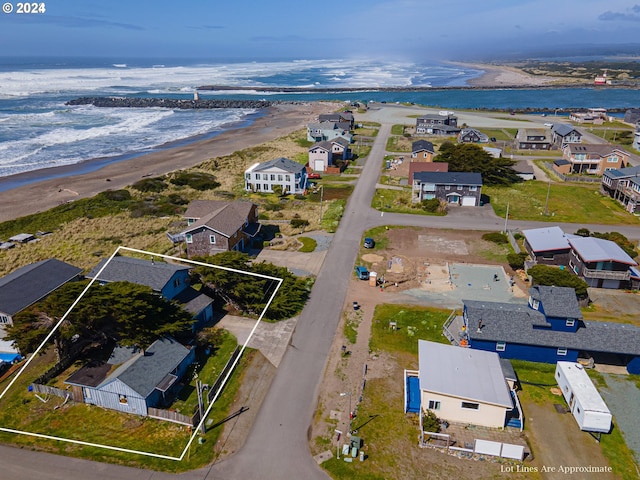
299,223
196,180
495,237
116,195
552,276
432,205
272,207
516,260
430,422
150,185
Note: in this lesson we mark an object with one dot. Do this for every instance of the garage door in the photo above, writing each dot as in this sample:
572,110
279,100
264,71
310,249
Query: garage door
318,165
468,201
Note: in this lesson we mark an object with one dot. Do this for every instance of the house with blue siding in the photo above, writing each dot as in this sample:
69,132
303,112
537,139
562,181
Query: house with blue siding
548,329
170,280
133,380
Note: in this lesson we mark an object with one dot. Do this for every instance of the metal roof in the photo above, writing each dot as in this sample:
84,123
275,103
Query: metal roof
546,238
591,249
463,372
26,285
583,387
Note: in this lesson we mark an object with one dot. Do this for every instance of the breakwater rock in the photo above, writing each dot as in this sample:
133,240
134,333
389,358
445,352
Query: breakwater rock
125,102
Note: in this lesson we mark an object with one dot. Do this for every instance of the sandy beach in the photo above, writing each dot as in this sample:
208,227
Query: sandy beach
504,76
276,121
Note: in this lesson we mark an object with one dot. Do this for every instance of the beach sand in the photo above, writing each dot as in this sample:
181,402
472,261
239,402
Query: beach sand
277,121
504,76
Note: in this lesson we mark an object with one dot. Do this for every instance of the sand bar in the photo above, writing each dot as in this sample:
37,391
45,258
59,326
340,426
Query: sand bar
69,184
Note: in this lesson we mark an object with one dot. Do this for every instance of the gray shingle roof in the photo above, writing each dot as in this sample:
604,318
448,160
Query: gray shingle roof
420,145
282,163
563,129
193,301
623,172
26,285
449,178
135,270
560,302
223,217
512,323
146,371
463,373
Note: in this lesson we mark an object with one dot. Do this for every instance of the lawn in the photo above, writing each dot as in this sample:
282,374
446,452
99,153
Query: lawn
397,201
398,144
567,203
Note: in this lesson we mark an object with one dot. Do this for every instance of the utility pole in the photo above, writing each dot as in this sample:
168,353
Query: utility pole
506,218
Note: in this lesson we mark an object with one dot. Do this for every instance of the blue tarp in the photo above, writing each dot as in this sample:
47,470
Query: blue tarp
9,357
413,394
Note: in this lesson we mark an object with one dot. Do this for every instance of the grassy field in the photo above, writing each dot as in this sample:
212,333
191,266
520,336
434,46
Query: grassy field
397,201
567,203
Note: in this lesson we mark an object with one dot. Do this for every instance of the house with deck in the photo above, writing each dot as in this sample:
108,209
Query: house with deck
601,263
623,185
170,280
134,380
460,385
290,175
219,226
592,159
458,188
319,131
548,328
338,117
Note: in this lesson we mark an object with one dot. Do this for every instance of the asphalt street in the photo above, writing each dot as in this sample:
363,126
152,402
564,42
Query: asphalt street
277,446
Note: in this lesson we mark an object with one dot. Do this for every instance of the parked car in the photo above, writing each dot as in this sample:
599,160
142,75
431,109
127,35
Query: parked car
314,176
369,242
362,273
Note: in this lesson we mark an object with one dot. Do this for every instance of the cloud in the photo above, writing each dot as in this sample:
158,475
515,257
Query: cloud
630,15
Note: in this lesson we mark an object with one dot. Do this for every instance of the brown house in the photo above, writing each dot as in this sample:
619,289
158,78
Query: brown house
218,226
593,159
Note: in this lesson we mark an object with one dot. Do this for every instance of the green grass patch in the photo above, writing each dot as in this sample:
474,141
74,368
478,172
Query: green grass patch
333,215
413,323
567,203
500,134
308,244
398,144
536,380
398,129
397,201
365,132
352,319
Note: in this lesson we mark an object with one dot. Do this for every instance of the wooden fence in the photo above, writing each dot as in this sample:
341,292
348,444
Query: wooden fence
174,417
47,390
223,374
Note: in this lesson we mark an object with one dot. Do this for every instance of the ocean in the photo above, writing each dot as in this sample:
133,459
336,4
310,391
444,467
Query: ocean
37,129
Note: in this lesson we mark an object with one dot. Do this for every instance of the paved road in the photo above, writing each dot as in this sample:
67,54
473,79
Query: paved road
277,444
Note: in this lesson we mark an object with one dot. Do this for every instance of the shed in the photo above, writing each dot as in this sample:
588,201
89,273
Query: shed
585,403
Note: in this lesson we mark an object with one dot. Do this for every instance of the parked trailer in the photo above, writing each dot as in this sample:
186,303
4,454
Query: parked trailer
584,401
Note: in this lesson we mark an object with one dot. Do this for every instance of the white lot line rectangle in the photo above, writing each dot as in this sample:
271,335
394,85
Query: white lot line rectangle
224,381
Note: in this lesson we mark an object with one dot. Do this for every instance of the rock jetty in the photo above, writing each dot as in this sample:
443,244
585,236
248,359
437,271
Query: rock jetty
125,102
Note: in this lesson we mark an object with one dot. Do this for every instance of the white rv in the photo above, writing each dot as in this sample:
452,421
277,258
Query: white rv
584,401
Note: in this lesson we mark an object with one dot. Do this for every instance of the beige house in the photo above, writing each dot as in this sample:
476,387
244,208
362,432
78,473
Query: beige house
462,385
593,159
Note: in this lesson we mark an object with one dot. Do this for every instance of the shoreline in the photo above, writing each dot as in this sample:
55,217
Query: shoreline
36,192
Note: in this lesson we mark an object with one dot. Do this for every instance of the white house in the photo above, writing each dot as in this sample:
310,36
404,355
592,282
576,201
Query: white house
262,177
463,385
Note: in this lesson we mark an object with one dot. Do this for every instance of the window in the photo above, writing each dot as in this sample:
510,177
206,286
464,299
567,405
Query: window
212,239
247,176
279,178
191,221
258,187
570,322
189,238
473,188
257,176
287,178
273,177
562,352
501,346
612,159
4,319
176,282
470,405
535,304
265,187
447,187
434,405
87,393
123,399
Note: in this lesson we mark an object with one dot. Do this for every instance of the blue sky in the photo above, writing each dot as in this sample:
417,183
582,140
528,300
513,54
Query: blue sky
417,30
